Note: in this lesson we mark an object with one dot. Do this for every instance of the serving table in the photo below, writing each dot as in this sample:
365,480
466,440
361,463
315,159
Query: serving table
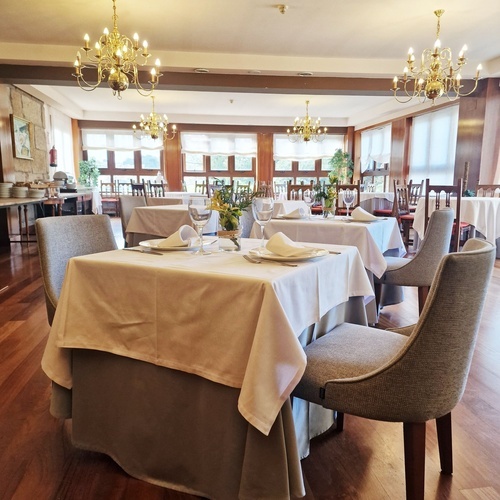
185,379
161,221
22,208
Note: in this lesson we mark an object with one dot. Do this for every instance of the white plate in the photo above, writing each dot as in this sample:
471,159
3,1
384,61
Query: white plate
154,244
286,217
267,255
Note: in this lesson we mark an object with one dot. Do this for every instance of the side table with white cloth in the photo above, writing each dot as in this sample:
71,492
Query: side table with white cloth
161,221
173,198
481,212
182,370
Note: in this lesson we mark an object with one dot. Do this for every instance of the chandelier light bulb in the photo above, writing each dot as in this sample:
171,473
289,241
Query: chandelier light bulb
115,59
435,76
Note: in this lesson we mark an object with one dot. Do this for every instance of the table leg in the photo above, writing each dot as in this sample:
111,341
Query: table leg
26,224
20,223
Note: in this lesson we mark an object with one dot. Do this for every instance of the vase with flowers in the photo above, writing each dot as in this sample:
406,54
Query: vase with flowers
327,196
230,205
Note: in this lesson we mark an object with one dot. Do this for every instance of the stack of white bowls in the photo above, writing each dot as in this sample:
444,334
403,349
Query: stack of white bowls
19,192
5,188
36,193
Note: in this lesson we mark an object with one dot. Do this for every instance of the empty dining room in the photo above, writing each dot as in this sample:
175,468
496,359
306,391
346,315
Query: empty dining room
208,216
365,461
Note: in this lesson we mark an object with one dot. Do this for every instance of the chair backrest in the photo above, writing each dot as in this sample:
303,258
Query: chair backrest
280,190
295,191
432,369
123,188
59,239
339,201
127,204
138,188
414,193
488,190
440,196
156,190
107,190
200,187
420,270
400,205
243,187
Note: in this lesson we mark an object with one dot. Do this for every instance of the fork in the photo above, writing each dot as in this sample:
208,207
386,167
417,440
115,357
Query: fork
254,260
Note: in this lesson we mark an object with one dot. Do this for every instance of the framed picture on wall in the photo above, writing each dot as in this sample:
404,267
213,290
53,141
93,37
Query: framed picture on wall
21,137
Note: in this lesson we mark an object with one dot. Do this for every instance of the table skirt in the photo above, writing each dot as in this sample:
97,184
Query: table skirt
184,432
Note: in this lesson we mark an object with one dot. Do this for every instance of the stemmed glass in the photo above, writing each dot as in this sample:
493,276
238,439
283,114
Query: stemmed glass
348,195
262,209
308,197
200,211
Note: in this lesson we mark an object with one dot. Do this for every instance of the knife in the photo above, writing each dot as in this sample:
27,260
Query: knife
142,251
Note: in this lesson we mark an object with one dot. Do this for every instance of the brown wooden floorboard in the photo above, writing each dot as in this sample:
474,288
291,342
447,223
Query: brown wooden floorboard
365,461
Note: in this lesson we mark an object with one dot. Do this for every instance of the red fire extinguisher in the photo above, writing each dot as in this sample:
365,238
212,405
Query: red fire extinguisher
53,157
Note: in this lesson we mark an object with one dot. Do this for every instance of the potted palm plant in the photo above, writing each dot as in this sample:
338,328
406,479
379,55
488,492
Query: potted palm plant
342,168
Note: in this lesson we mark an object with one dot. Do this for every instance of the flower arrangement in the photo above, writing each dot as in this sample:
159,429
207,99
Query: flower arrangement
326,195
230,206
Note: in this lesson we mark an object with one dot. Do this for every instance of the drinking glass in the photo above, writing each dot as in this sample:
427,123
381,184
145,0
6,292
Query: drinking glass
348,195
308,198
262,209
200,211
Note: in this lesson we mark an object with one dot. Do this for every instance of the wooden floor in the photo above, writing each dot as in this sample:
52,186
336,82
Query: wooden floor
38,461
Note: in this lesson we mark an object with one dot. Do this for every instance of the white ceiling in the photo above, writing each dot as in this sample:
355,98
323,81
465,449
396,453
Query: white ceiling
364,38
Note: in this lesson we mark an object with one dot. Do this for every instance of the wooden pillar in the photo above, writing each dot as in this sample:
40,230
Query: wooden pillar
173,163
265,160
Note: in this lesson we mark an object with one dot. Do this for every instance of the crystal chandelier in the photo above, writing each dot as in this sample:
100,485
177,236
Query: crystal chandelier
435,76
156,126
115,59
305,130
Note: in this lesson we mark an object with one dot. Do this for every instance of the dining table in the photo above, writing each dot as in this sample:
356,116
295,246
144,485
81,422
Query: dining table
483,213
152,222
180,367
374,200
172,198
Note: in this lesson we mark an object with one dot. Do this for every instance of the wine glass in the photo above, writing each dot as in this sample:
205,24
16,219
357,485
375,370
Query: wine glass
200,211
262,209
348,195
308,197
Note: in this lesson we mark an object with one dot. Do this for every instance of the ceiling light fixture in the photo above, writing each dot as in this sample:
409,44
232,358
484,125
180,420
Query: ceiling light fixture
156,126
282,8
115,59
305,130
436,75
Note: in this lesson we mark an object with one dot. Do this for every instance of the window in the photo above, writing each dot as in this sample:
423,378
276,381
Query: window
121,155
375,158
211,158
433,145
303,162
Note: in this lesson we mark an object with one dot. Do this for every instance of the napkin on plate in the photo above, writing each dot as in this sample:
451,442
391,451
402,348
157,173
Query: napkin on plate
281,244
181,238
298,213
361,214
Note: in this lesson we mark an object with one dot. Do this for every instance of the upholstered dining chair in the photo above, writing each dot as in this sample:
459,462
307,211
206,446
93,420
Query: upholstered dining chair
419,271
410,375
59,239
127,204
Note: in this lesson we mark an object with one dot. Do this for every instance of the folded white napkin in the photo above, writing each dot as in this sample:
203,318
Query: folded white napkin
181,238
298,213
361,214
281,244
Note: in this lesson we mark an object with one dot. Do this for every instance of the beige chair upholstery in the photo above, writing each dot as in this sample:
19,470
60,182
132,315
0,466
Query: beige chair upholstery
127,204
383,375
419,271
59,239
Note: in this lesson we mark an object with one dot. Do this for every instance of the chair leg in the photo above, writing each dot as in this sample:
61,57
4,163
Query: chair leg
377,288
443,426
340,421
414,445
423,291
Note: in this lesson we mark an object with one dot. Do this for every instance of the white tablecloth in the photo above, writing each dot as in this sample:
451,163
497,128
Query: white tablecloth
372,201
161,221
371,239
283,207
216,316
173,198
482,213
